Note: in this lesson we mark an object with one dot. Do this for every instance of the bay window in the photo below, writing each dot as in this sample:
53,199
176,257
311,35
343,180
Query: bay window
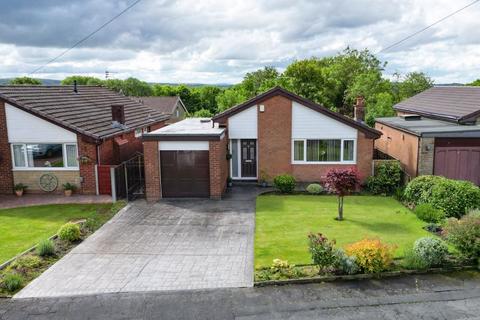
323,151
45,155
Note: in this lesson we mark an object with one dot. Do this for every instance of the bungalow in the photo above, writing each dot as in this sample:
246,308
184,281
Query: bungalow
435,132
172,106
273,133
50,135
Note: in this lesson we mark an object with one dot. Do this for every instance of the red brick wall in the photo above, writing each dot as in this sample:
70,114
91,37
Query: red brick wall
275,136
87,170
219,170
6,176
153,187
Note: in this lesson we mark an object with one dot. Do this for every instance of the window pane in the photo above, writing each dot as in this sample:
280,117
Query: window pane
348,150
19,155
323,150
71,150
45,155
298,150
234,152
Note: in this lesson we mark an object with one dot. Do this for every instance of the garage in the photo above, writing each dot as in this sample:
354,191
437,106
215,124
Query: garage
458,159
185,173
187,159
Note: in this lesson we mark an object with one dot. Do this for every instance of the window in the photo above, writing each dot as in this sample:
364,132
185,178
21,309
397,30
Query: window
138,133
234,152
323,150
44,155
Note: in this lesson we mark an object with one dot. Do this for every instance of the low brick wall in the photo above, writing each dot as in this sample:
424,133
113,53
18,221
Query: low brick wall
31,179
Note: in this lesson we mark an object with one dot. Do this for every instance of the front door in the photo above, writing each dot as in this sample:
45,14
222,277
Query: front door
249,158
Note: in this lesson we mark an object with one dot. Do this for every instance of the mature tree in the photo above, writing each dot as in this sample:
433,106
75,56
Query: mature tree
230,97
260,81
412,84
164,90
136,88
202,113
208,97
342,182
474,83
82,80
25,80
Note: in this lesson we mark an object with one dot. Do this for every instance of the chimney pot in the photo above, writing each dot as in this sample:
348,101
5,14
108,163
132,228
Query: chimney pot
359,109
75,89
118,113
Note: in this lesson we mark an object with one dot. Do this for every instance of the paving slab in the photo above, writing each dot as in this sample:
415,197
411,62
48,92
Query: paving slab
169,245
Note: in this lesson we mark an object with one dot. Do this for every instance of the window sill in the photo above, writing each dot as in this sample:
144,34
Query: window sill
325,162
46,169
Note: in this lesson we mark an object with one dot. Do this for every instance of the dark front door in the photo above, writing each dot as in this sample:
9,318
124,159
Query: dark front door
185,174
249,158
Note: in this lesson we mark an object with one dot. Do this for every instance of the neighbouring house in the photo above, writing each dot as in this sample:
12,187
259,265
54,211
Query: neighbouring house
435,132
274,133
172,106
50,135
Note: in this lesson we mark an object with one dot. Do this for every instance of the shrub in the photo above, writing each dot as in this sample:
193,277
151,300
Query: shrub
25,263
428,213
345,263
69,186
419,189
279,264
322,250
314,188
454,197
285,183
12,282
464,234
433,227
387,178
20,187
92,223
412,261
432,251
69,232
46,248
372,256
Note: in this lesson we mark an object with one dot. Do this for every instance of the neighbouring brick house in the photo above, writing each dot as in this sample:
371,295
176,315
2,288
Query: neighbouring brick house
65,132
435,132
172,106
273,133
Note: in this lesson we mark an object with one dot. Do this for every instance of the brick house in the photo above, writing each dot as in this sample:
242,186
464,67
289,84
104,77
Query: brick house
64,132
435,132
273,133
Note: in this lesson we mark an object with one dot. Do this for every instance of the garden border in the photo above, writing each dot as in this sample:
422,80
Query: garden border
388,274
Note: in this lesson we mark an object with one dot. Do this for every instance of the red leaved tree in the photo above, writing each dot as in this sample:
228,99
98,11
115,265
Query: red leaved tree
341,182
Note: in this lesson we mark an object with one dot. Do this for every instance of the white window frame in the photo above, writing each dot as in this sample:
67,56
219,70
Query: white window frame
304,161
138,132
25,157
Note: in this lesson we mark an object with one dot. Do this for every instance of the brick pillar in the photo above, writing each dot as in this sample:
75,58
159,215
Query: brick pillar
6,175
218,167
426,155
364,156
87,170
153,188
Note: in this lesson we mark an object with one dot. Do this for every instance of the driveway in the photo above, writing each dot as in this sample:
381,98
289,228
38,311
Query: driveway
169,245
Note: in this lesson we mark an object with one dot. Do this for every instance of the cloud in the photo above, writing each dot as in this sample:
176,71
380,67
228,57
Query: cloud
219,41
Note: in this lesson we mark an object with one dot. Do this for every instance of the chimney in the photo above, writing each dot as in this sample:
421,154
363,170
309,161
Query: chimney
75,86
118,113
359,109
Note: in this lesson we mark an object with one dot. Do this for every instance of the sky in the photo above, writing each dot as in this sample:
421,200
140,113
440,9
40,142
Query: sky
197,41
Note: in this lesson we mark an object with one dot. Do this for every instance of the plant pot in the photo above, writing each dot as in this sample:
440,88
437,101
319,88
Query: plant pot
68,193
230,184
19,193
264,184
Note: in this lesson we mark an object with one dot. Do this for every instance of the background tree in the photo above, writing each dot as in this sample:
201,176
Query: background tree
342,182
82,80
412,84
474,83
25,80
202,113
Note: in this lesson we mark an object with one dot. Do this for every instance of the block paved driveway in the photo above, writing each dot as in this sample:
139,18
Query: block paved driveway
169,245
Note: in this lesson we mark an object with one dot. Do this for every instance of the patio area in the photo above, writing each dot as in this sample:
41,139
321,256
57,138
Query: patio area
27,200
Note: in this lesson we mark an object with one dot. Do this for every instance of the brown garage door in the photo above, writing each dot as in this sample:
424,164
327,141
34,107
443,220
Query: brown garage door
458,160
185,174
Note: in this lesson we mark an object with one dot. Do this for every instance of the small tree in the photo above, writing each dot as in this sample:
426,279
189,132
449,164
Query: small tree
341,182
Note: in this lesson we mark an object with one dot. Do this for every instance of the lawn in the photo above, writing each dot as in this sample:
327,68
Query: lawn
283,222
21,228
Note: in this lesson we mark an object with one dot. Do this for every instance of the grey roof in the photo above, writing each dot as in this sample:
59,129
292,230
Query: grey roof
87,112
432,128
460,104
198,128
163,104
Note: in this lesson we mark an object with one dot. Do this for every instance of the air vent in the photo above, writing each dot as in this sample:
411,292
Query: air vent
411,117
205,120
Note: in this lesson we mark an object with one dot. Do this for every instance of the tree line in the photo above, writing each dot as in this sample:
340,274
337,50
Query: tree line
333,81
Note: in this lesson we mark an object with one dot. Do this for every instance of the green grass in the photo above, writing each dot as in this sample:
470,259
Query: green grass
22,228
283,223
